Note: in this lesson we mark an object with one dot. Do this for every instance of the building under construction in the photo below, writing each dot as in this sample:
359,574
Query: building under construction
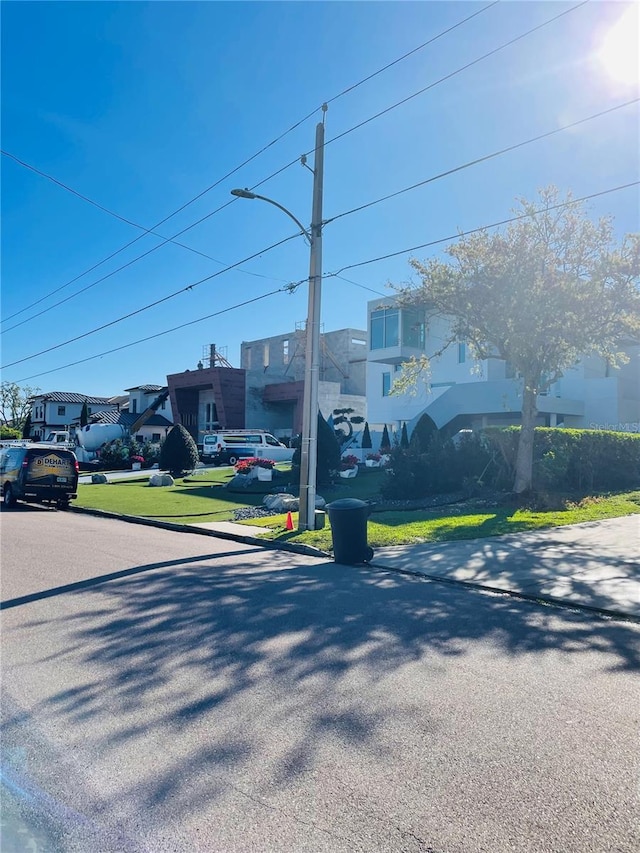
266,392
275,369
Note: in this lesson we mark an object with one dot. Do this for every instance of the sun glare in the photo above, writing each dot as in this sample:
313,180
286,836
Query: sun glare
620,48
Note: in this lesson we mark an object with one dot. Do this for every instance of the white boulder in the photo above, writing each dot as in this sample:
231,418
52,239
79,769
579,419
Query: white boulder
161,480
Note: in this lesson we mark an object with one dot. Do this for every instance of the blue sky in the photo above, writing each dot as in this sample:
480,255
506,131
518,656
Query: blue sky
141,106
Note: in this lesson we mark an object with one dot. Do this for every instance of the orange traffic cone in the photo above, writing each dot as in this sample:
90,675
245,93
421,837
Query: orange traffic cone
289,521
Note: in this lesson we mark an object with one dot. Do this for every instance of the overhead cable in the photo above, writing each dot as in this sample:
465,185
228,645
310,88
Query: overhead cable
458,234
338,273
151,304
481,160
228,174
288,288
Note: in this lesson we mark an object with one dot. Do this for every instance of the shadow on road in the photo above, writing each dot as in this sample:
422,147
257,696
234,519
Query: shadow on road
238,678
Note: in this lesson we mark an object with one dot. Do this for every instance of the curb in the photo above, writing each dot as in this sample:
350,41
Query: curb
267,544
512,593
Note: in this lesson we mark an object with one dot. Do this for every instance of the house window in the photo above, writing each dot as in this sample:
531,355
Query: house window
265,356
386,384
385,328
155,436
134,406
412,329
62,410
88,410
462,353
285,352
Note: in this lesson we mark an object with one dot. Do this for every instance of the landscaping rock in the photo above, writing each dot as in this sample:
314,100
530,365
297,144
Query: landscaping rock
161,480
98,478
288,503
239,482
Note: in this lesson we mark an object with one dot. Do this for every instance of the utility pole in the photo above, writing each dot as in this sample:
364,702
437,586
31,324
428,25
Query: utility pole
309,447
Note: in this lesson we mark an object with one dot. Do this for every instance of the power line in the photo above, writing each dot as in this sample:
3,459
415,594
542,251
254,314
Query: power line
481,160
411,52
355,283
346,213
290,288
286,166
338,273
115,215
151,304
229,174
157,225
458,234
457,71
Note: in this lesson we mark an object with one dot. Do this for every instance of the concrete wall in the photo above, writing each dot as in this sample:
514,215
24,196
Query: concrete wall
281,358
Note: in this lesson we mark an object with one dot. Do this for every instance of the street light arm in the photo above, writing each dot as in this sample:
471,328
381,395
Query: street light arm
249,194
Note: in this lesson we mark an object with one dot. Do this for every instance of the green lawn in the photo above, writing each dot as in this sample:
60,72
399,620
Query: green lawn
199,498
449,523
203,498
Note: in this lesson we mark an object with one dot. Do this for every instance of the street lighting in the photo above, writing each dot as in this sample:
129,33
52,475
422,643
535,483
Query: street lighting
248,194
309,447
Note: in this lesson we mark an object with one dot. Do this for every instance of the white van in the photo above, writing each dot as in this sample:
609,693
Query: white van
226,447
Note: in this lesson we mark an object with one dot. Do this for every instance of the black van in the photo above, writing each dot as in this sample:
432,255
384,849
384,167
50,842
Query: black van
38,472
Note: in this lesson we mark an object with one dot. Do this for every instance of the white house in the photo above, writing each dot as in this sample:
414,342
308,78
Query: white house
462,393
143,396
57,410
138,400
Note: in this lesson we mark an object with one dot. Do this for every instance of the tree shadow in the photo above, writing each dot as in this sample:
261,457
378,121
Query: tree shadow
193,656
549,564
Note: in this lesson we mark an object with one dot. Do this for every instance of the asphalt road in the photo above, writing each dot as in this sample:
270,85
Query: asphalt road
174,692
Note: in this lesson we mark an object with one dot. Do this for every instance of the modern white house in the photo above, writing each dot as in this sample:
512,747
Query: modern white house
58,410
461,393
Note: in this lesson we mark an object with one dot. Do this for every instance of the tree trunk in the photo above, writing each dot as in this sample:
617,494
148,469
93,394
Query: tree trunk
524,457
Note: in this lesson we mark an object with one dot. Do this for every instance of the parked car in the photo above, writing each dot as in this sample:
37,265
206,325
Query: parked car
227,446
37,472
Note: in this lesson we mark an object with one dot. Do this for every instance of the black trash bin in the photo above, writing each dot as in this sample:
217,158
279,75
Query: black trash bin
348,517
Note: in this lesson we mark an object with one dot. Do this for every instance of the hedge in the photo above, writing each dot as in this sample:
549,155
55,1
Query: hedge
571,459
564,460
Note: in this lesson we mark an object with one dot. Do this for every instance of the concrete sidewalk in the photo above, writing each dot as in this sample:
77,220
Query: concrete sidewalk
595,564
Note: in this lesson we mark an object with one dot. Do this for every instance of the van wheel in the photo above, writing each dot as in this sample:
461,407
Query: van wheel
9,497
62,504
233,460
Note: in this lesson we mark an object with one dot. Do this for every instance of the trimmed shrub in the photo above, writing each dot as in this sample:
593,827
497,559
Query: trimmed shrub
366,438
404,438
179,453
328,455
444,467
385,443
423,433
